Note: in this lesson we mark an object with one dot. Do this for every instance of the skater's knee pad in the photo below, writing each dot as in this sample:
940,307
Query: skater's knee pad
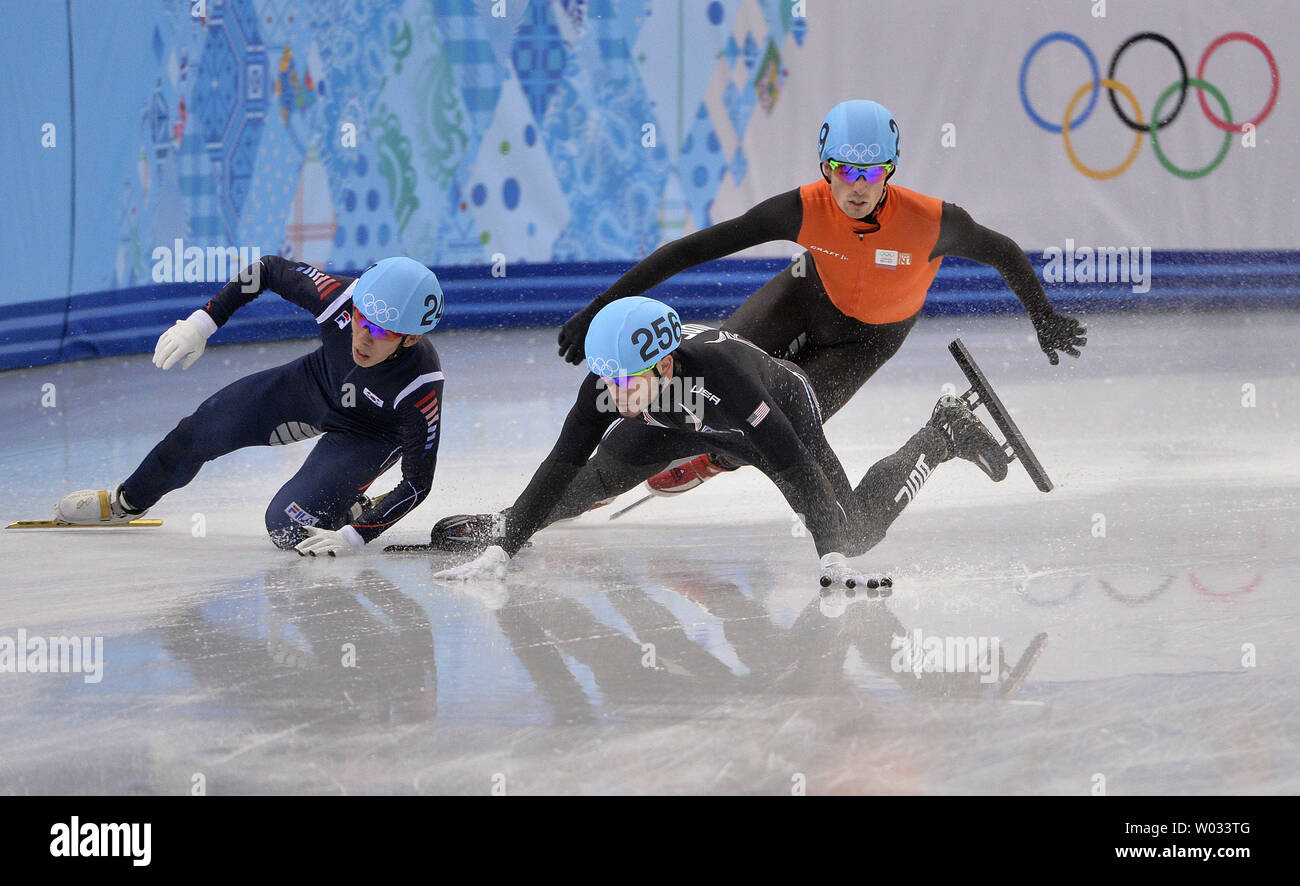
283,532
287,522
286,539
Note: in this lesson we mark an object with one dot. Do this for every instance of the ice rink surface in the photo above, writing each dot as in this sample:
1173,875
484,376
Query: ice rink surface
684,648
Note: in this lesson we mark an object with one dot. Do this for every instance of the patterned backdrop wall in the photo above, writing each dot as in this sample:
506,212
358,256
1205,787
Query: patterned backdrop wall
166,141
339,131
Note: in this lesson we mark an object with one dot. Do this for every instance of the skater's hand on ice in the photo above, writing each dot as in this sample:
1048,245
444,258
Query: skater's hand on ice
329,542
573,336
837,572
184,341
491,564
1057,332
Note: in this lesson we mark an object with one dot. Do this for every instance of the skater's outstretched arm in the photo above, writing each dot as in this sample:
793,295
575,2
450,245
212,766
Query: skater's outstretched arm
296,282
962,236
777,218
583,428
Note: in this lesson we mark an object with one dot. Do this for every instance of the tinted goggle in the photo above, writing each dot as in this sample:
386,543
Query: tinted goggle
848,172
622,380
378,333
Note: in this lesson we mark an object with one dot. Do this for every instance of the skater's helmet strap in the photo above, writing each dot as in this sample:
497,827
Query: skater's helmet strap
859,132
399,294
630,335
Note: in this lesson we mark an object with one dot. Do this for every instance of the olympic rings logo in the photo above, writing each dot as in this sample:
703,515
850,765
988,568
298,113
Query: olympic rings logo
377,310
609,367
858,153
1138,125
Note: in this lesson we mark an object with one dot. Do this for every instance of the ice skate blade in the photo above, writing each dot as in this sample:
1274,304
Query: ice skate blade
989,399
1021,670
144,523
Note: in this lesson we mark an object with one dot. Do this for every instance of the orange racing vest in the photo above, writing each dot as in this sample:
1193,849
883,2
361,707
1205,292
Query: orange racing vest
879,277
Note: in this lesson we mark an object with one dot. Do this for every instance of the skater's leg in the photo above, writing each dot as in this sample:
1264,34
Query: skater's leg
891,484
274,406
338,470
837,371
952,432
792,317
631,452
777,315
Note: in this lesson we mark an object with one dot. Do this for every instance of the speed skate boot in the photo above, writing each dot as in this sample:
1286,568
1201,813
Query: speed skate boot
968,438
92,507
467,532
687,473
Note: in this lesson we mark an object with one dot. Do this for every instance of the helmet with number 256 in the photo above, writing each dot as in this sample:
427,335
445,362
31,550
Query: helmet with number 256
630,335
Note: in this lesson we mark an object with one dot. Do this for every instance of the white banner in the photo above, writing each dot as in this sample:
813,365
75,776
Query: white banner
951,73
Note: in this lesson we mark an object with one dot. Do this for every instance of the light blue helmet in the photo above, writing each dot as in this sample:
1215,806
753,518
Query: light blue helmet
399,294
630,335
860,132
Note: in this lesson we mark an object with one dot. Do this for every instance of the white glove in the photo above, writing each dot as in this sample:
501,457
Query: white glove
489,564
837,571
186,339
329,542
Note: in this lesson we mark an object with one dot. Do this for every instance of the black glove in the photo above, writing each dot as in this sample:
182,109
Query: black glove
573,335
1057,332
